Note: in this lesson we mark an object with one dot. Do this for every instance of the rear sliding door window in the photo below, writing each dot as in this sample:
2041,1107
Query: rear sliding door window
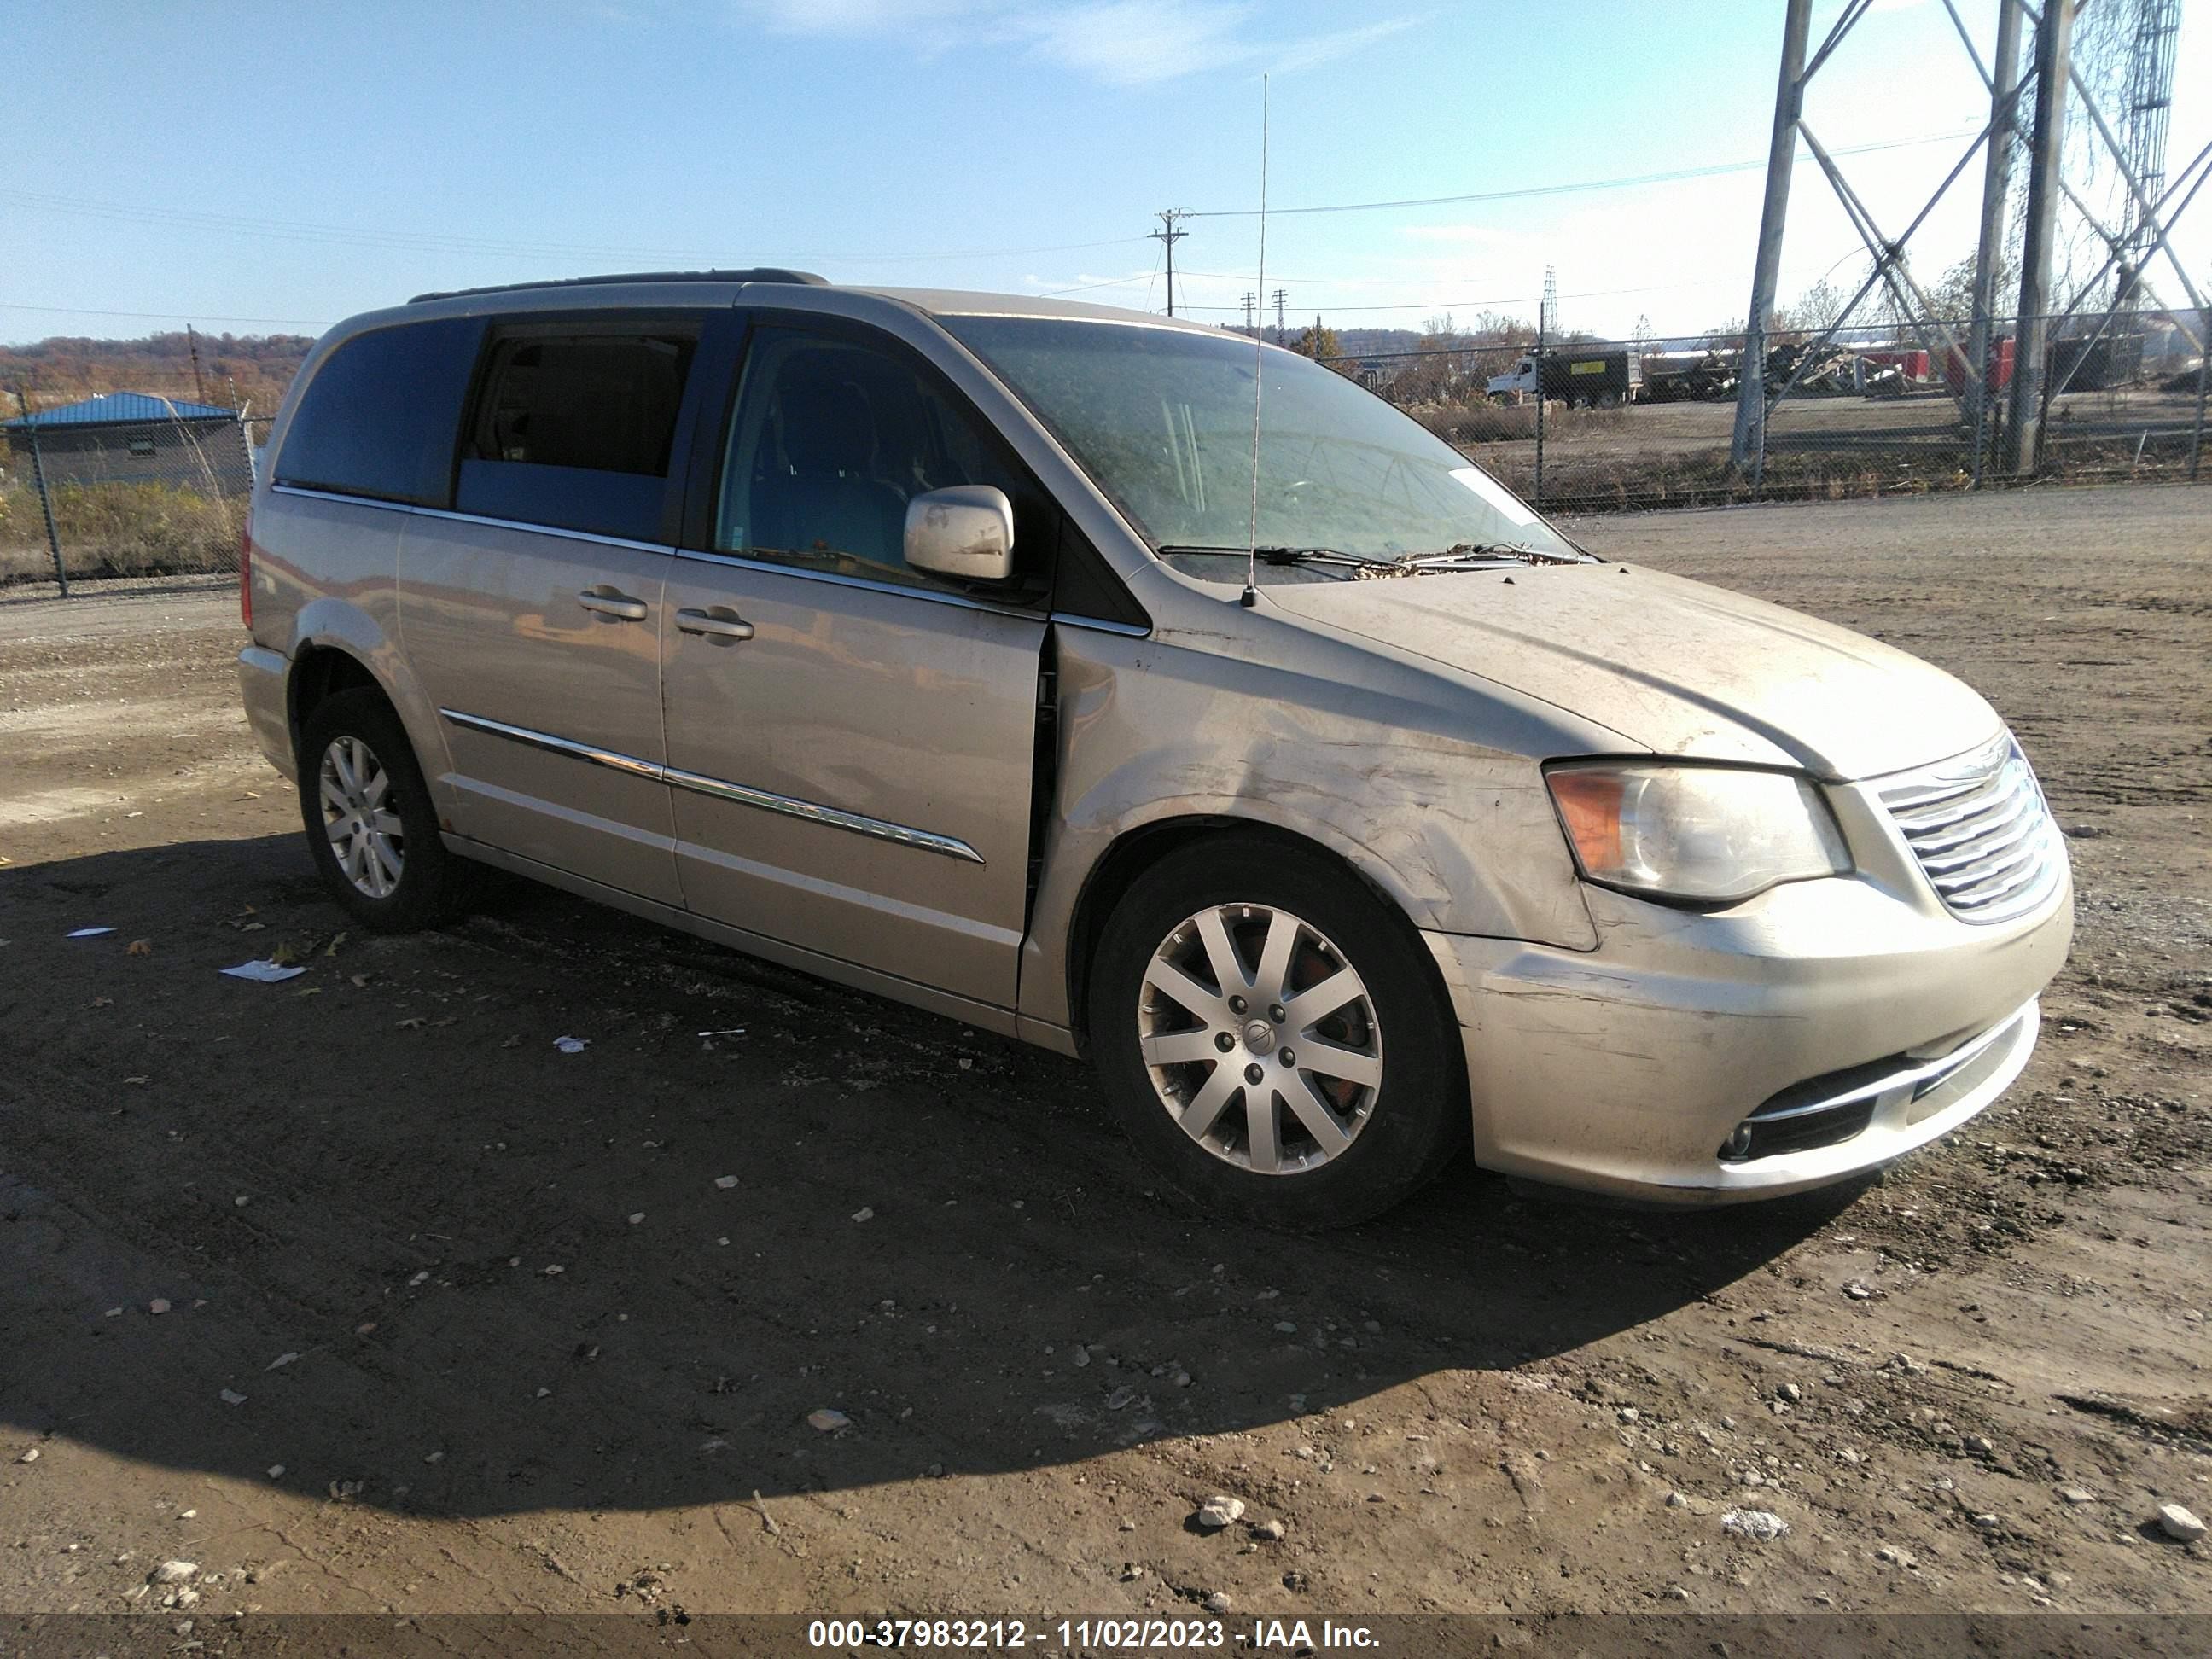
379,417
573,427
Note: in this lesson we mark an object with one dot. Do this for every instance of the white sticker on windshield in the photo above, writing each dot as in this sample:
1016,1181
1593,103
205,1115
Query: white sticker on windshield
1501,500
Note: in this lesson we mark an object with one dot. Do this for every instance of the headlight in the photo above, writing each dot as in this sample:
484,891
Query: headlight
1709,834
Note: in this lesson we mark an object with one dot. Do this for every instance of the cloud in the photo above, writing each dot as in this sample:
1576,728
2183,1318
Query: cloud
1117,43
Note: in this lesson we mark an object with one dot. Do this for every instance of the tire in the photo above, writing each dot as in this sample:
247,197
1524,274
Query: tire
1402,1111
356,738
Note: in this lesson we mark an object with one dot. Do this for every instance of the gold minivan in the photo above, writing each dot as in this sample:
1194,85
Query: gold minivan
995,655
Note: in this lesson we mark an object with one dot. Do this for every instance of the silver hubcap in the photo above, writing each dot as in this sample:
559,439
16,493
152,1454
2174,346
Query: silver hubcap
365,833
1261,1038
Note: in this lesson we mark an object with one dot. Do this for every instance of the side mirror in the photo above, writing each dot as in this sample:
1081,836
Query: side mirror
966,532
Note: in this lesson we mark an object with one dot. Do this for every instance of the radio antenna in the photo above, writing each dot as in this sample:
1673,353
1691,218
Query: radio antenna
1251,594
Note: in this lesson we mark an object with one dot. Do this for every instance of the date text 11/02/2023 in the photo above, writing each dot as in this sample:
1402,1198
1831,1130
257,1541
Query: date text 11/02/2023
1093,1634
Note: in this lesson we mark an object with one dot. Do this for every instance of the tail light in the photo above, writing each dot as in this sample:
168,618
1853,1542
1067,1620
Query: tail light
245,571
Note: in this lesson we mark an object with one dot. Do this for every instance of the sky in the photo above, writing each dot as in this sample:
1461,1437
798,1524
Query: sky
256,169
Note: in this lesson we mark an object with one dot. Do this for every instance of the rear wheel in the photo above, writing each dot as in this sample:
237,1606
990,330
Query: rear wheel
1273,1038
371,827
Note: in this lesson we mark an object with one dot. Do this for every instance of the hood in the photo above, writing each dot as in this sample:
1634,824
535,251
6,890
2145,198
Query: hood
1677,666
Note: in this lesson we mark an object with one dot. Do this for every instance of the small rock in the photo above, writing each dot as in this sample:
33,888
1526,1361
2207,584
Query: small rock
1627,1414
1294,1580
1857,1290
2178,1523
1286,1327
275,1471
828,1420
1676,1593
172,1573
281,1360
1894,1556
863,1213
1218,1511
2077,1495
115,1312
1764,1525
1676,1501
637,1217
29,1456
1221,1602
725,1181
434,1457
232,1397
158,1305
1980,1445
1081,1355
1987,1523
1790,1392
1268,1532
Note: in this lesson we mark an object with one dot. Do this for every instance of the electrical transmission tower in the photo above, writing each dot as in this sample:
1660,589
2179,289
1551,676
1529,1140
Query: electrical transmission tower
2149,95
1249,297
1169,235
1282,301
1548,319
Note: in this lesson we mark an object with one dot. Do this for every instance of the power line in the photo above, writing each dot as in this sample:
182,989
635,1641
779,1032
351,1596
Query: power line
1674,176
163,316
312,231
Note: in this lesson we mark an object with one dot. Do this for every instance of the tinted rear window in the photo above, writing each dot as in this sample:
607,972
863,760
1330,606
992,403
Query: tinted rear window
380,416
573,429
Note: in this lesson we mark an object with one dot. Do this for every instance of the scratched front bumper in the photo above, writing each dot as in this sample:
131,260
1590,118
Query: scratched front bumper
1625,1069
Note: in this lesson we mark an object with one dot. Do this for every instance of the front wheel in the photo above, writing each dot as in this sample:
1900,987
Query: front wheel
1273,1038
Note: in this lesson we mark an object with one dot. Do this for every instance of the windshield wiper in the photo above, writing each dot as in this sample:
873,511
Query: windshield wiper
1282,555
1465,555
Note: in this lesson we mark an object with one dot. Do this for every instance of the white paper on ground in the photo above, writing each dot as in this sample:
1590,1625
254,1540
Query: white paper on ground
88,932
262,973
1499,498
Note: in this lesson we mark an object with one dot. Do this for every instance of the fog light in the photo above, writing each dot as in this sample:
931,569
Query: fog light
1737,1146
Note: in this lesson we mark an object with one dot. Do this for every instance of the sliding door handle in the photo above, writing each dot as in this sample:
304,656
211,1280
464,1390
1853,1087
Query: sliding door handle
607,601
721,625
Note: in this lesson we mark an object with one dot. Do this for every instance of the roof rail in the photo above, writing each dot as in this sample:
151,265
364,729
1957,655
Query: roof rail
756,274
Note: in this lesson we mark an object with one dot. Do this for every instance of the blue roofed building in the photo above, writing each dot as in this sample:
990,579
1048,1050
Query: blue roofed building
135,437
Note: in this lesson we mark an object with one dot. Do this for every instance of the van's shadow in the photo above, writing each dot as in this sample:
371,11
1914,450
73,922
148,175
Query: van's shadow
513,1279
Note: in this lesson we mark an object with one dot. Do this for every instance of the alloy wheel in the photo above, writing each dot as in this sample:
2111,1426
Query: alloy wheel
1261,1038
365,833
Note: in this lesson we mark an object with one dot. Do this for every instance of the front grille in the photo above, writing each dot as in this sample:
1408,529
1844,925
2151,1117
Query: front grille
1981,827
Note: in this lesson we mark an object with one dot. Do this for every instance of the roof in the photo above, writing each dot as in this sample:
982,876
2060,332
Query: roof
123,408
723,287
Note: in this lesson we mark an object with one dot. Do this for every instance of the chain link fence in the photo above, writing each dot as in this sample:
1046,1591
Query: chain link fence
129,491
1601,426
123,492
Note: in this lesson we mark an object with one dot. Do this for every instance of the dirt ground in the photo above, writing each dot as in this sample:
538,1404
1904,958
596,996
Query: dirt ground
360,1294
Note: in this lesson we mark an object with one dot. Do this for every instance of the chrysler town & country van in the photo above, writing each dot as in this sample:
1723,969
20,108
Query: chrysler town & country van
1347,816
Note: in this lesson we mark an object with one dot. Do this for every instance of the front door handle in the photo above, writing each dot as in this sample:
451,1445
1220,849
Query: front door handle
607,601
721,625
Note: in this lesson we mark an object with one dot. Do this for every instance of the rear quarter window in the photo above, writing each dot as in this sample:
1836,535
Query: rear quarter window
380,417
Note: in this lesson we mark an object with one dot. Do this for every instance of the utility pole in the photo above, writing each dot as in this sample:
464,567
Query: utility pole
2054,43
1750,437
1996,185
1248,299
1282,300
192,343
1169,236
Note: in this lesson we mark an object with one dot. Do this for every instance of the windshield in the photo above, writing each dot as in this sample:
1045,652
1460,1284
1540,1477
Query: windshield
1162,419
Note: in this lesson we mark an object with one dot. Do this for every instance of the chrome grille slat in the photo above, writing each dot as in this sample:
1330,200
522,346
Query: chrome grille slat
1976,851
1981,831
1993,822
